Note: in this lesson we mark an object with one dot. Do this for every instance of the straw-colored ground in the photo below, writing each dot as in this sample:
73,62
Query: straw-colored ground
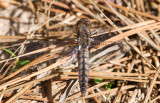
37,42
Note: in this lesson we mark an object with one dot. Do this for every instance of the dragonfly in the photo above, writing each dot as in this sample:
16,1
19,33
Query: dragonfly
83,27
84,41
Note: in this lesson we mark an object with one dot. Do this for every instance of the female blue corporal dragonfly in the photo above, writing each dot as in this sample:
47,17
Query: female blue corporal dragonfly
84,43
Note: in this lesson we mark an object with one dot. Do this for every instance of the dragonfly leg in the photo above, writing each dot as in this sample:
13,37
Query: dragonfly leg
94,32
99,31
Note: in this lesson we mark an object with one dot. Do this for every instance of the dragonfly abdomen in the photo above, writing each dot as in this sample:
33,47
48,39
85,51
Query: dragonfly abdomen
83,66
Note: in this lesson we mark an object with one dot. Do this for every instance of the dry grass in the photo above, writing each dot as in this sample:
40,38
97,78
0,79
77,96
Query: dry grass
127,55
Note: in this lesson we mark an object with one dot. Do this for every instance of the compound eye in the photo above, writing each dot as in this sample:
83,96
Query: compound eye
88,23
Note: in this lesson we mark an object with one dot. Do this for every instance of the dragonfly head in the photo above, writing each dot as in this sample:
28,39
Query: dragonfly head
83,26
84,22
